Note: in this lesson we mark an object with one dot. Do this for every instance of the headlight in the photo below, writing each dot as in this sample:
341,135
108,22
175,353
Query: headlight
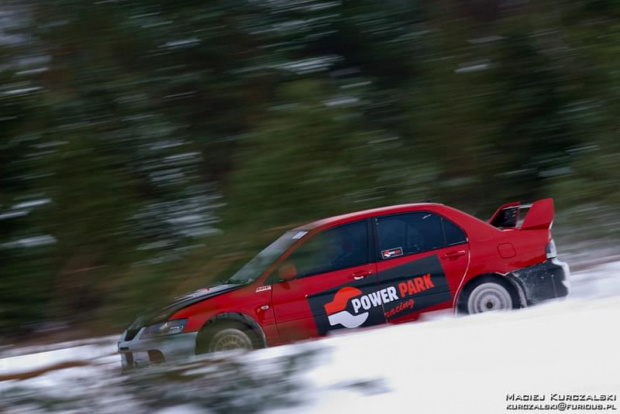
164,328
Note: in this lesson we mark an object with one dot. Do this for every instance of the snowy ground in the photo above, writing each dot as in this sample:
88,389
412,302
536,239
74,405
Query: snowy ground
441,365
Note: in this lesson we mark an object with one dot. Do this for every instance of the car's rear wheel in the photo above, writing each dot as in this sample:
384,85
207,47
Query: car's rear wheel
489,295
225,337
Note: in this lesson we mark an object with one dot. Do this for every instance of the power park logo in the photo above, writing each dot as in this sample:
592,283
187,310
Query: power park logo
392,293
336,309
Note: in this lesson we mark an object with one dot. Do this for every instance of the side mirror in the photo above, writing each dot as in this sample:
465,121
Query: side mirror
287,272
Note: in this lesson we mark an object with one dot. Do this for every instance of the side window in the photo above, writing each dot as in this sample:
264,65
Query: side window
409,233
337,248
453,234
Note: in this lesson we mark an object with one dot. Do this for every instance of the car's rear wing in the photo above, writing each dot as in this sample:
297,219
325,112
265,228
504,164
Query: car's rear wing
538,215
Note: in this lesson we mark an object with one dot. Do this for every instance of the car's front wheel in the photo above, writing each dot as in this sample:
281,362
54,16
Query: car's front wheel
225,337
488,295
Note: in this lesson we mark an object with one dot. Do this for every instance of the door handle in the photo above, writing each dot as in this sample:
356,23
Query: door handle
453,255
361,274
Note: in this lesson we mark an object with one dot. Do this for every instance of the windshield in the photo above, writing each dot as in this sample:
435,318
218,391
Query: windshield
255,267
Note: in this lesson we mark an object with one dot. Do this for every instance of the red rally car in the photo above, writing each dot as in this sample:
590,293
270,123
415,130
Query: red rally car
372,267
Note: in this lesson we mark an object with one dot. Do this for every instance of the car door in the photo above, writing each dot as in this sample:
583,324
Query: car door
424,257
333,271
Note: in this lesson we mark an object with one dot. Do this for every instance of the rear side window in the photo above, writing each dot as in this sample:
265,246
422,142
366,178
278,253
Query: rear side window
453,234
409,233
413,233
337,248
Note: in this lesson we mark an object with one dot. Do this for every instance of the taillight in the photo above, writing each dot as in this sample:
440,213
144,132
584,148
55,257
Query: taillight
551,251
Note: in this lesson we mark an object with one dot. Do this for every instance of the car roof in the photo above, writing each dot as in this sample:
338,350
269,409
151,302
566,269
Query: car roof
363,214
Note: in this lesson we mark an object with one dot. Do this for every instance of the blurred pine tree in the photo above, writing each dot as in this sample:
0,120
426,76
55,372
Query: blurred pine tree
146,144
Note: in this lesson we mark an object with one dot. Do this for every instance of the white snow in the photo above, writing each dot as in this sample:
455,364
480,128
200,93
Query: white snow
469,365
13,214
342,101
30,204
21,91
440,365
40,357
182,43
30,242
601,282
34,71
472,67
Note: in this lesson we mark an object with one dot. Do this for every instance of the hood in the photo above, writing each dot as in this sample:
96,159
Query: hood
162,314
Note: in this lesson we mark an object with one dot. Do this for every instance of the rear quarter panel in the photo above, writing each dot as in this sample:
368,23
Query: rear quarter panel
484,241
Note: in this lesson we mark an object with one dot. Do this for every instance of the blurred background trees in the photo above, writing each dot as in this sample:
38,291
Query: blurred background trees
149,147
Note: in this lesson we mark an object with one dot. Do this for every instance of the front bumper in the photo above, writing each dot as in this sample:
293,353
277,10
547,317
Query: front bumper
136,352
544,281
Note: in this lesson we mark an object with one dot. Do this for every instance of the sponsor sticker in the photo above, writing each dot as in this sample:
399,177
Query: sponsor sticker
395,252
263,288
401,290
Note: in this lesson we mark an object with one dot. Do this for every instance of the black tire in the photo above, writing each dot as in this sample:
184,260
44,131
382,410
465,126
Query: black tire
487,294
225,336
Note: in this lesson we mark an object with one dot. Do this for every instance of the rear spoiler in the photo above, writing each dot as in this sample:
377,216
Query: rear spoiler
514,215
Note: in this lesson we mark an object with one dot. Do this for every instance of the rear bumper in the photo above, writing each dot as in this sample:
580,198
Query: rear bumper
142,352
544,281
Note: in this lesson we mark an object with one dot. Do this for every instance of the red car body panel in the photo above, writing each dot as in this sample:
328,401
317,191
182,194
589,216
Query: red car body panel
290,310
